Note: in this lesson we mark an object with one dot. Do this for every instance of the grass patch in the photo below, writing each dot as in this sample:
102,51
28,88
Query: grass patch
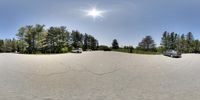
136,51
146,52
121,50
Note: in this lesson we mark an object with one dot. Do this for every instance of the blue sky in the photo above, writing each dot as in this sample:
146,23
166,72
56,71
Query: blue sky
126,20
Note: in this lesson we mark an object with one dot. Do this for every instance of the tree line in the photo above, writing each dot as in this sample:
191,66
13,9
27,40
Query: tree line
36,39
185,43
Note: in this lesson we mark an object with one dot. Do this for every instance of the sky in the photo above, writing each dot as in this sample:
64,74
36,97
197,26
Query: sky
128,21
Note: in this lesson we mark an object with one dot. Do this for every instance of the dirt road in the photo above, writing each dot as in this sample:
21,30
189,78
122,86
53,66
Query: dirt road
99,76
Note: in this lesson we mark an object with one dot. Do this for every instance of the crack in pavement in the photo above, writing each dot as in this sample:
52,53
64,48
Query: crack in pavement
69,68
102,74
97,74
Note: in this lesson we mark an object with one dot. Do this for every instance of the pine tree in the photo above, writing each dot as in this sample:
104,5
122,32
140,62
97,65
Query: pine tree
189,41
115,44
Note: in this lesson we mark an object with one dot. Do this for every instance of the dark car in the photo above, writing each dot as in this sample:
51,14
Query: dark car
172,53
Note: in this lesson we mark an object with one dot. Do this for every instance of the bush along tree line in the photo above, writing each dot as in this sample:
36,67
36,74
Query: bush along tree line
36,39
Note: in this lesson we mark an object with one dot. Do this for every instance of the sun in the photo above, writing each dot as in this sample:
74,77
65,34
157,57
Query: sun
94,13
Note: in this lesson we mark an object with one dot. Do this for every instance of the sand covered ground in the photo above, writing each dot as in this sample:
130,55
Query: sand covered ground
99,76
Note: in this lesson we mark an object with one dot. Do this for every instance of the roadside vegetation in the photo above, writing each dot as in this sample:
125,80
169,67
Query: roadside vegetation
39,40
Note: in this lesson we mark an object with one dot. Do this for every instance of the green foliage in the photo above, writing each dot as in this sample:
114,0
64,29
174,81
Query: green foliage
183,43
35,39
170,40
31,38
160,49
104,48
126,50
137,51
121,50
190,43
64,50
56,39
1,45
115,44
89,42
196,45
145,52
76,39
147,44
8,45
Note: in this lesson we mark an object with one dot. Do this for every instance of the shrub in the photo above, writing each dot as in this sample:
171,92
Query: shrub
104,48
64,50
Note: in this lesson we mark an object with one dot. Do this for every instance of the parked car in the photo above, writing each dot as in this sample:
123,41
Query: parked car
79,50
172,53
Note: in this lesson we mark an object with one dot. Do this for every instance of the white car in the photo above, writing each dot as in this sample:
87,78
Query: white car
79,50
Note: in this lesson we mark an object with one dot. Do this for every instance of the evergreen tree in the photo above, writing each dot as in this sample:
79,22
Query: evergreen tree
165,40
189,41
76,39
196,46
115,44
57,40
1,45
40,36
86,42
183,47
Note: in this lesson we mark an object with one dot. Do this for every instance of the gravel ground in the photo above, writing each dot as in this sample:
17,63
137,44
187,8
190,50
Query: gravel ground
99,76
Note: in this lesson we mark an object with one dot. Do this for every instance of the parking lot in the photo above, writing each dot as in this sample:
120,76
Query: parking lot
99,75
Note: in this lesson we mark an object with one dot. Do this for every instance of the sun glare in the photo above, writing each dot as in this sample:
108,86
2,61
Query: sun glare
95,13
